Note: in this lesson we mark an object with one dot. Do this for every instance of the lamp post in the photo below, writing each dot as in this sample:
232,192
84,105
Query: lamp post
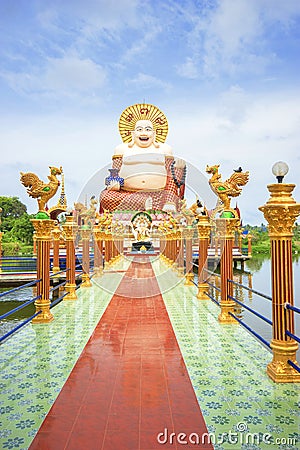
281,211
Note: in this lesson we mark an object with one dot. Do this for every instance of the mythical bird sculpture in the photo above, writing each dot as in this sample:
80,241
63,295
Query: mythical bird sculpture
36,188
229,188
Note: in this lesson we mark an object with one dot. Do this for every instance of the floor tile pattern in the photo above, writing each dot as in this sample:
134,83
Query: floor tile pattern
227,367
130,382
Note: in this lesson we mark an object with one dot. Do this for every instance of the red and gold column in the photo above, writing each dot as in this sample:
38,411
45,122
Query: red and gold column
108,248
204,229
56,233
226,227
70,230
249,244
281,211
98,250
85,236
180,257
43,228
188,234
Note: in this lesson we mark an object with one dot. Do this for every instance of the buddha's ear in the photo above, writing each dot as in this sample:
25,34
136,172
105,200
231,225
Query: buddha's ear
131,143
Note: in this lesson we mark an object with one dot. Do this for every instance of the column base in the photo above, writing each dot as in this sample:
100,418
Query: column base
45,316
224,316
86,282
71,295
279,370
55,270
98,271
202,288
188,279
180,271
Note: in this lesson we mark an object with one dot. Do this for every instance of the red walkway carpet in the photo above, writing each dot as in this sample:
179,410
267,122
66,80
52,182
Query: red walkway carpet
130,388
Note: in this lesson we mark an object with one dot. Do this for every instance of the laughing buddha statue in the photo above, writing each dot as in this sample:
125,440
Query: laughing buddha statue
144,175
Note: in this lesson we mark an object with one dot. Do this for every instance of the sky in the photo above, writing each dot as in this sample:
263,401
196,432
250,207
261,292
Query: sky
225,73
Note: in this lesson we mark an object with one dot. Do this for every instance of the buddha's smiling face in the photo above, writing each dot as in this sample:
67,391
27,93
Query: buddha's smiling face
143,134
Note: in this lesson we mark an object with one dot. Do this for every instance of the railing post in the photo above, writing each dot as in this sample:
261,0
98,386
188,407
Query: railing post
98,250
43,228
180,257
56,240
188,234
226,227
204,228
281,211
108,247
85,236
70,229
249,244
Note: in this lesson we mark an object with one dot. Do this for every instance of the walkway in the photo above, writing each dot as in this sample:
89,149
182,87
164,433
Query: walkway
142,368
130,383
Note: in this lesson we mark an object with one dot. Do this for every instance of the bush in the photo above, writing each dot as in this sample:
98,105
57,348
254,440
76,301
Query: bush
10,248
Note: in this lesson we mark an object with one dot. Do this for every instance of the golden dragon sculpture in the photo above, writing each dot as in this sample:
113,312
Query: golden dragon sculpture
36,188
228,188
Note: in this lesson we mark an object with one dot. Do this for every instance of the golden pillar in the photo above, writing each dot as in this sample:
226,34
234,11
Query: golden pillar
56,233
204,228
249,244
70,229
34,244
240,240
180,257
43,230
98,250
281,211
188,234
226,228
85,236
108,247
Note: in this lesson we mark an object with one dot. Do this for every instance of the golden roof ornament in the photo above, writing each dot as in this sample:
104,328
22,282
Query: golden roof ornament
143,111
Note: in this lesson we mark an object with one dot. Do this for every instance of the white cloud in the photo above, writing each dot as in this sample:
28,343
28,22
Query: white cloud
188,69
145,81
69,76
233,37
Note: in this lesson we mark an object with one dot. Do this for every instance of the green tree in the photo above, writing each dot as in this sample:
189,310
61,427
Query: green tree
12,208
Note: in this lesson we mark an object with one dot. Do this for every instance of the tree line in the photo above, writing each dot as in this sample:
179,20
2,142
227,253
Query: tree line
17,237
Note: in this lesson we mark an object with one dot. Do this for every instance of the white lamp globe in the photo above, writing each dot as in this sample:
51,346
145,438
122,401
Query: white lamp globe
280,169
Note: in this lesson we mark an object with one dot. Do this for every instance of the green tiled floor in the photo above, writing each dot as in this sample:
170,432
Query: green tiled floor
227,367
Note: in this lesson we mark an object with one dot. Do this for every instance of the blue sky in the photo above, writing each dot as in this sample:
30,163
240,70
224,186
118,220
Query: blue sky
225,73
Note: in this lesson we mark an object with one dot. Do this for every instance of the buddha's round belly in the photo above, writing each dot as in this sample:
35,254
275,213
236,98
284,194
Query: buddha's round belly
143,176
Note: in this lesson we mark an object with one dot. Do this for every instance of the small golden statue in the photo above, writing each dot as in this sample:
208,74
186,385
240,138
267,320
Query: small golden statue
36,188
229,188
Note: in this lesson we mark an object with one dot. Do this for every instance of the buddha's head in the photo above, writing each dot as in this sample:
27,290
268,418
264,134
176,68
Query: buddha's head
143,134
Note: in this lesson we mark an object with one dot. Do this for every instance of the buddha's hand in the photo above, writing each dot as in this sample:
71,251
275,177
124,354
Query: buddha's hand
113,186
179,163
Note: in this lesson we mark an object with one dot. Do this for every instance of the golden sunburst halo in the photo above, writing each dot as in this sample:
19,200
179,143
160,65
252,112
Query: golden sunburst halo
143,111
